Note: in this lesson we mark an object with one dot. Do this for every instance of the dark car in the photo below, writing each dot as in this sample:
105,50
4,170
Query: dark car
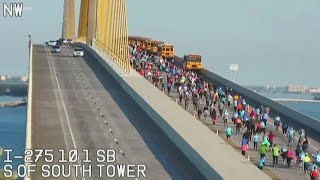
56,49
59,42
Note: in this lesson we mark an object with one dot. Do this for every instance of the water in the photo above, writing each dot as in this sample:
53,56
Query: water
12,130
310,109
10,98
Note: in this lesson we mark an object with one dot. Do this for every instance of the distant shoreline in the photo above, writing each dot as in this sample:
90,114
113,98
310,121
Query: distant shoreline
13,93
13,104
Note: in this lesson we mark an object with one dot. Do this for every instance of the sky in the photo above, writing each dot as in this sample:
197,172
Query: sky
273,42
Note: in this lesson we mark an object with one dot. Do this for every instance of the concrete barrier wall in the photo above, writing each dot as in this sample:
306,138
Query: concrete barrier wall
29,105
294,118
174,142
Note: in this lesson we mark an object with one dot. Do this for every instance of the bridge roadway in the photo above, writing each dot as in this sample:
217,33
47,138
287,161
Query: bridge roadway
64,116
279,173
228,163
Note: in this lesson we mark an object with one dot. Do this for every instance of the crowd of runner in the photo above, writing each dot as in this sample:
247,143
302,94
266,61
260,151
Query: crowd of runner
210,101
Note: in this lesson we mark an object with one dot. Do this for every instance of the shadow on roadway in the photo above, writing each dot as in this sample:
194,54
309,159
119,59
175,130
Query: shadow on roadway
60,55
39,51
177,165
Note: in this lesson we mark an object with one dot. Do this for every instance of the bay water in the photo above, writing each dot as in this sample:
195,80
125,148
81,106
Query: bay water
13,130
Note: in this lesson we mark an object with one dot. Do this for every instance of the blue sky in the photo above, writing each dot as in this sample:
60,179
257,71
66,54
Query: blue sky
274,42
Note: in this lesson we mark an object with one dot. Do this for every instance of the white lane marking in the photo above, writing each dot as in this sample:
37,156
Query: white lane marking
97,118
60,117
64,108
59,111
121,151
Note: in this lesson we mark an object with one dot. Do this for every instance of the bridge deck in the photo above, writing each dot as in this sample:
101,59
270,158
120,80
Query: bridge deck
65,117
282,172
279,173
221,156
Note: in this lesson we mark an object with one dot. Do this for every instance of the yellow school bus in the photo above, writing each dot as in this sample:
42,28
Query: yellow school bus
192,62
155,46
139,41
145,43
131,40
148,44
166,51
134,40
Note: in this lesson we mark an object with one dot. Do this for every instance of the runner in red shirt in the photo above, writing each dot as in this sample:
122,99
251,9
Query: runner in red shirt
271,137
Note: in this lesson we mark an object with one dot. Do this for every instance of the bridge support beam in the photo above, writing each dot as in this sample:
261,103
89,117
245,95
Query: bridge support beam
69,19
92,21
83,21
105,22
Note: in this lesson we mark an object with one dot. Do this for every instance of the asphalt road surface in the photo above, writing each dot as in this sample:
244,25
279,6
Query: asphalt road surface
73,110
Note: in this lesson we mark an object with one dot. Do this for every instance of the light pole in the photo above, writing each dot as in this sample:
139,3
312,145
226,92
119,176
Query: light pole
234,68
29,42
62,29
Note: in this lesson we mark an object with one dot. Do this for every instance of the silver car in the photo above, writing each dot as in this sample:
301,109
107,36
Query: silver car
52,43
78,52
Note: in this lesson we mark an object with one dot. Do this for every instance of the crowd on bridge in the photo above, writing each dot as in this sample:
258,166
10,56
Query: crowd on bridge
212,102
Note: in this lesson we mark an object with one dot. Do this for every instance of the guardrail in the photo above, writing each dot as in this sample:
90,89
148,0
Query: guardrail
296,100
296,119
293,117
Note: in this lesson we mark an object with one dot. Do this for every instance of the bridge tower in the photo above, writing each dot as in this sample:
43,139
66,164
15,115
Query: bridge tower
87,29
69,19
83,21
103,24
92,20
